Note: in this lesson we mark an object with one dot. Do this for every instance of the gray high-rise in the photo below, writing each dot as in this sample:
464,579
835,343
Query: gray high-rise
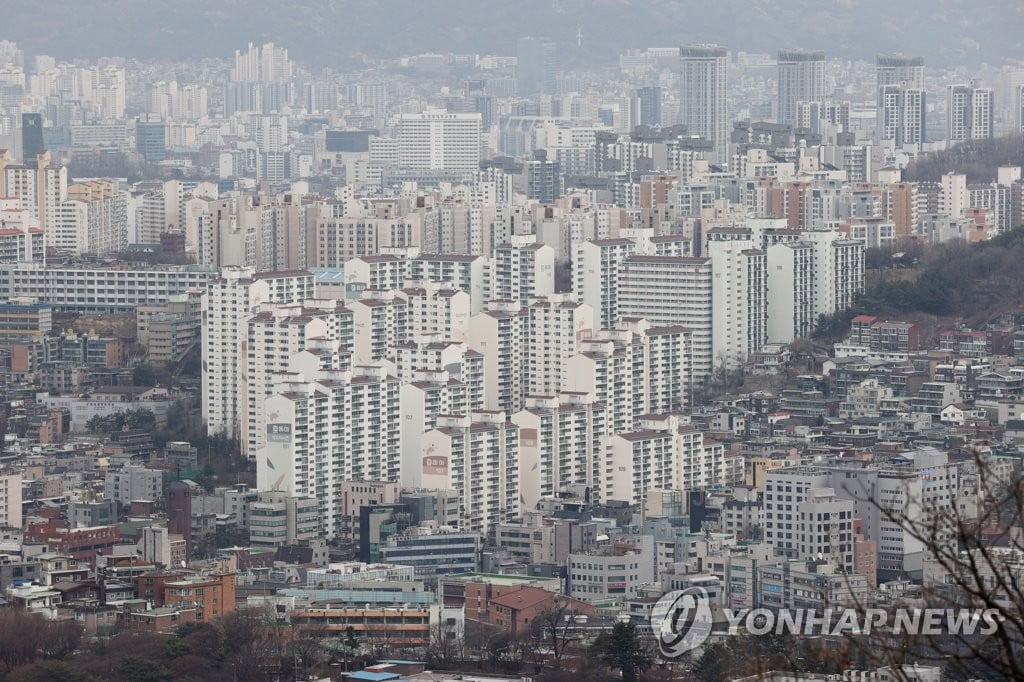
801,79
536,66
646,104
704,88
31,138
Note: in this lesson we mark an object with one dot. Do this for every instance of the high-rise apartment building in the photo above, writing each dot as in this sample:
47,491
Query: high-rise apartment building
669,290
94,219
597,265
437,140
522,269
703,97
227,303
900,112
276,334
900,118
329,427
739,289
476,455
561,443
536,66
801,78
498,334
262,64
969,112
555,326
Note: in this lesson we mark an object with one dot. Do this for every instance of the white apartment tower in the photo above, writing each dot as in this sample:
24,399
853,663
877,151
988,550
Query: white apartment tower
227,303
969,112
595,277
499,334
336,425
662,454
521,270
801,78
739,289
555,326
668,291
561,443
276,333
703,97
900,117
476,455
266,64
437,140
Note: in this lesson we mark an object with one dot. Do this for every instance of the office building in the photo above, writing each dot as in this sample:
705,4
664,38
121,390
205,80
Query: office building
646,106
703,97
151,138
437,140
801,78
433,551
31,138
276,520
804,518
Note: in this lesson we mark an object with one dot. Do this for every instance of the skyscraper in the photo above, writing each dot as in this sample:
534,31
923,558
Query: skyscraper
705,110
31,137
801,79
968,112
646,106
536,64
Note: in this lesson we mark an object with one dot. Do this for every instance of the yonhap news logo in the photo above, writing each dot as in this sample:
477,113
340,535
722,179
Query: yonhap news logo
682,621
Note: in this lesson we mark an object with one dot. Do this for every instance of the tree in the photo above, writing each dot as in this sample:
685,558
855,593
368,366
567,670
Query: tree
554,629
445,649
144,375
622,649
140,669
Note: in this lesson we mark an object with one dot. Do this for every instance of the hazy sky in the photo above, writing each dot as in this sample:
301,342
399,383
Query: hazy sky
328,32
